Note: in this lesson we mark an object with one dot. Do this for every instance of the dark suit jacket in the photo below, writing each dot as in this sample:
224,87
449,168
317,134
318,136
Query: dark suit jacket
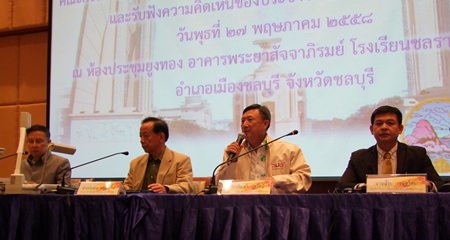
410,159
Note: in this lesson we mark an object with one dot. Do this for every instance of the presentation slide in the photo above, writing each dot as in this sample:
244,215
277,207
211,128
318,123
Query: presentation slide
320,66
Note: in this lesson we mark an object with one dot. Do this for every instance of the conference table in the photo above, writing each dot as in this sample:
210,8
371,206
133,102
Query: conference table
169,216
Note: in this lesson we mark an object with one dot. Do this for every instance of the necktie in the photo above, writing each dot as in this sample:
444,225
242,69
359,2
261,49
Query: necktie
386,164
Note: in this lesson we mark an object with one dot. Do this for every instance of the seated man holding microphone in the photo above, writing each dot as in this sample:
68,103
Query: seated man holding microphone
388,156
281,162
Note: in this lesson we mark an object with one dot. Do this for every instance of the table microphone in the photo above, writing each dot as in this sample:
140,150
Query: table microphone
63,189
212,188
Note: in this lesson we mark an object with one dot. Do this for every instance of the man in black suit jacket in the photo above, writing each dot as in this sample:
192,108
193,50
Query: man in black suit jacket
385,127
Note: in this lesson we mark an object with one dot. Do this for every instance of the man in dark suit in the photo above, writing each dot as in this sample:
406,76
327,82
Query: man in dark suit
388,156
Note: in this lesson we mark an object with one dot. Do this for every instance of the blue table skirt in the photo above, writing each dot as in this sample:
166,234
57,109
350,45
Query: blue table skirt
164,216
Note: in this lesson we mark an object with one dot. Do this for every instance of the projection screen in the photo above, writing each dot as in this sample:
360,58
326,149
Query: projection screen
320,66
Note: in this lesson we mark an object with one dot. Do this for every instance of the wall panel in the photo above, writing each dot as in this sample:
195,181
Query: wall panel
5,15
23,70
9,70
26,13
33,68
9,132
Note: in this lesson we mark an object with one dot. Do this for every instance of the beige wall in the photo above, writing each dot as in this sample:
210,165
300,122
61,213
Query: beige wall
23,70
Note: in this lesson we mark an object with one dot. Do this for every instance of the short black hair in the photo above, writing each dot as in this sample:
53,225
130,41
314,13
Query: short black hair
159,126
263,110
387,109
40,128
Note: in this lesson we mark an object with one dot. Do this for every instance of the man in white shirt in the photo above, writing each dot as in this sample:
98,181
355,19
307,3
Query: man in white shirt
281,162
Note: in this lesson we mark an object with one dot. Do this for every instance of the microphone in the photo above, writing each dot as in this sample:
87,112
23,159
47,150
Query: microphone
212,188
61,148
14,154
239,140
64,190
294,132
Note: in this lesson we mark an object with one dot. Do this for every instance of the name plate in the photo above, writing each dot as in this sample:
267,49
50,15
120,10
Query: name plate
100,188
396,183
244,187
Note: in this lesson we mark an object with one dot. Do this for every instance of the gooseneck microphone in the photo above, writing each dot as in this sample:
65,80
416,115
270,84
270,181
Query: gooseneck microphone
14,154
234,159
63,189
212,188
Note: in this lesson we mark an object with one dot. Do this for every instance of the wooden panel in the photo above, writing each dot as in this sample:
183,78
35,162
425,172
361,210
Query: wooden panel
9,70
38,112
9,132
23,71
26,13
5,15
33,68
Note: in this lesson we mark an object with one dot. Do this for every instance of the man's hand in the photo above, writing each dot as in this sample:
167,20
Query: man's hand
234,148
156,187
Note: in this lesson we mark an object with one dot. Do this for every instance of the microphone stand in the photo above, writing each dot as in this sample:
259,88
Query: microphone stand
63,189
212,188
10,155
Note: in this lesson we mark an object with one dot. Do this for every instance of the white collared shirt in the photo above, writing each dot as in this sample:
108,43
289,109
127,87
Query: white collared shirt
258,162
